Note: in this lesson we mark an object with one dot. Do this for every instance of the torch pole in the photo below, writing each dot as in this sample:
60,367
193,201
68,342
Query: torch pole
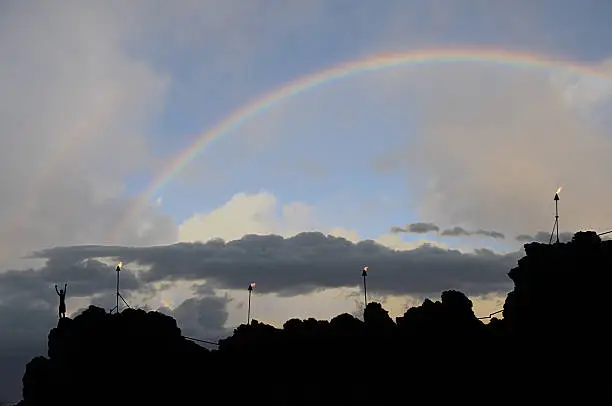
557,215
365,289
118,269
249,310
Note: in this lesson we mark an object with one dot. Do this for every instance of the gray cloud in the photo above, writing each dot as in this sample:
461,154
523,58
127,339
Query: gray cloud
202,317
494,165
70,132
423,228
304,263
515,123
489,233
416,228
460,231
455,232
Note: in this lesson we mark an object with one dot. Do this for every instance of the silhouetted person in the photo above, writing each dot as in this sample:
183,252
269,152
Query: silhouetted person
62,304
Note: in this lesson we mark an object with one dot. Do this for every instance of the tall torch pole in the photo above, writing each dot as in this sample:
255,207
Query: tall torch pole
557,211
365,287
251,286
118,270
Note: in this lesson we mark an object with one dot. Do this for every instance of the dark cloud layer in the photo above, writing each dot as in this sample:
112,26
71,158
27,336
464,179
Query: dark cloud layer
306,262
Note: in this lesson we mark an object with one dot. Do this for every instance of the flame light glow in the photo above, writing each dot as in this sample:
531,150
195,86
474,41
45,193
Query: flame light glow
253,284
559,189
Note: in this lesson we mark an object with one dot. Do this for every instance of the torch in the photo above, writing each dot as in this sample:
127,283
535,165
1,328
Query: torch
118,270
251,286
556,216
365,287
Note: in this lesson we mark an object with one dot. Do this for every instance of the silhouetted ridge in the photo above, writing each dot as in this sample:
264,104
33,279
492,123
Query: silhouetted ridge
133,356
561,288
551,346
554,317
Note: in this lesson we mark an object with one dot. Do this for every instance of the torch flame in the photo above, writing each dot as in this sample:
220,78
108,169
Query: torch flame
365,268
253,284
120,264
559,189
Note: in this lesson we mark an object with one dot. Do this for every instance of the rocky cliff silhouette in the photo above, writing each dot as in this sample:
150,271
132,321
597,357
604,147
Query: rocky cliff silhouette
551,345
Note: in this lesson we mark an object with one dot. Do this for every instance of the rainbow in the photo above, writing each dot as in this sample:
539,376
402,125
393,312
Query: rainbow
341,71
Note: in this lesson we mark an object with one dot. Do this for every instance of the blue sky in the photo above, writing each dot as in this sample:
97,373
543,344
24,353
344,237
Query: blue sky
326,153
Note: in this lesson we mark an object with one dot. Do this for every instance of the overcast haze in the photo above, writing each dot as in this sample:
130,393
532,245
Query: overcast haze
434,175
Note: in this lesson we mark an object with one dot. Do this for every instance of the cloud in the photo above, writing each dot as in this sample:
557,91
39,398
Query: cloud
460,232
306,262
350,235
262,214
492,146
489,233
74,108
584,92
390,240
417,228
202,317
422,228
395,242
244,213
455,232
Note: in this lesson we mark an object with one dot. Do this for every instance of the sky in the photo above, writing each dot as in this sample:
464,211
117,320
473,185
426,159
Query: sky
433,175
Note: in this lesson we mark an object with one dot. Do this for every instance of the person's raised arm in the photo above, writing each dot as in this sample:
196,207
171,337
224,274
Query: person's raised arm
65,288
56,291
